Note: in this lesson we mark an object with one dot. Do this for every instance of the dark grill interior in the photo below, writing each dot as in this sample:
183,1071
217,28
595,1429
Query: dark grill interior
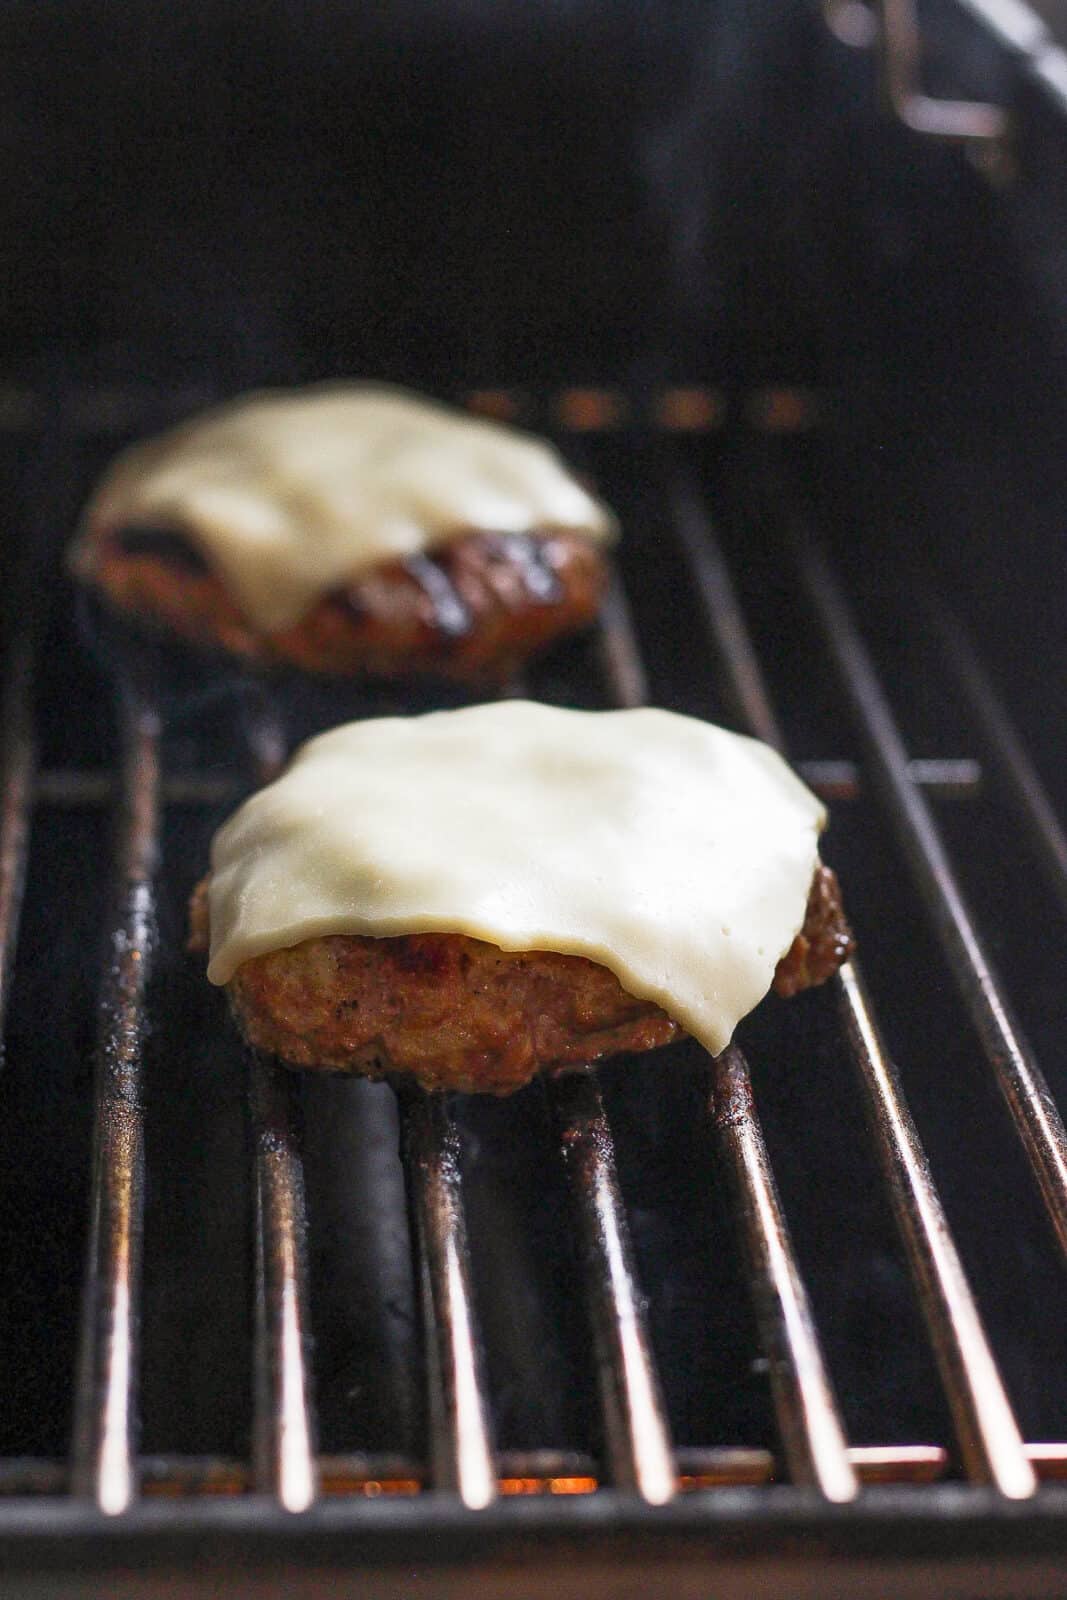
727,608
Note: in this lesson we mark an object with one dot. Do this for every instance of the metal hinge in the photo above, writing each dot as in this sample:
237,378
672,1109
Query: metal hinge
892,28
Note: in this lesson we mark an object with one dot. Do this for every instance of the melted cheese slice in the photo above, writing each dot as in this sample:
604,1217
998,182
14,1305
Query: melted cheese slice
291,494
676,854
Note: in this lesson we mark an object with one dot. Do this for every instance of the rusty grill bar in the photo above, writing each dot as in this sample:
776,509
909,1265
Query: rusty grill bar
638,1451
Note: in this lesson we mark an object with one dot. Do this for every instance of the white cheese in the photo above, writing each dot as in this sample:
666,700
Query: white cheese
290,494
676,854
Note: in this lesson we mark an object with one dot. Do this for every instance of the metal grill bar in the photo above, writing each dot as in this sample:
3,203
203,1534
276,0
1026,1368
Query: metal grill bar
812,1434
989,1436
948,778
18,765
18,741
727,628
639,1447
461,1439
284,1422
72,789
899,1463
528,1472
985,1425
620,658
104,1448
1020,1078
284,1418
1029,792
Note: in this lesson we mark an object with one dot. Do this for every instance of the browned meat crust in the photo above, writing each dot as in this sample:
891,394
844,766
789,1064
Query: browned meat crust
458,1013
453,1012
473,610
823,944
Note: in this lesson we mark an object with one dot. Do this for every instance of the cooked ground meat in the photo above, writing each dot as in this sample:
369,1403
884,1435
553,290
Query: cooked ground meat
458,1013
823,944
473,610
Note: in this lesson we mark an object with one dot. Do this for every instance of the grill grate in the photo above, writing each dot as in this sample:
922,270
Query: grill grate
1020,1078
988,1435
637,1453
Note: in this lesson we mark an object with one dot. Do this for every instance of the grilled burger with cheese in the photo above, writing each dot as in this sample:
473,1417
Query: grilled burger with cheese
475,896
350,529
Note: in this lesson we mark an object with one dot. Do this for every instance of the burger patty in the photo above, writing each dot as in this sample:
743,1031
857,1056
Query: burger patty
458,1013
472,610
823,944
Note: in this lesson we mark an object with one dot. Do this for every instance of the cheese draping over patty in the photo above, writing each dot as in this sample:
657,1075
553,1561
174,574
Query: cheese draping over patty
291,494
674,853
